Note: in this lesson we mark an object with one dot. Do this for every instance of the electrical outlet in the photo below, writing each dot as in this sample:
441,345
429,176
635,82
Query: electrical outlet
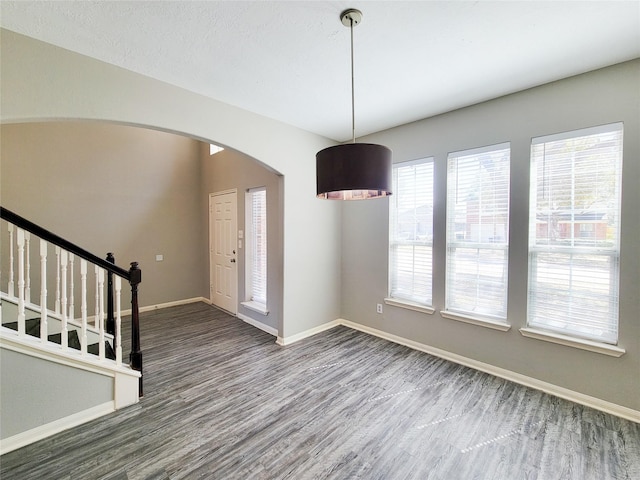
379,308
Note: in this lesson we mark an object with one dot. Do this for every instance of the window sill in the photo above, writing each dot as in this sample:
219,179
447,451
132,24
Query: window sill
409,305
590,345
481,322
260,308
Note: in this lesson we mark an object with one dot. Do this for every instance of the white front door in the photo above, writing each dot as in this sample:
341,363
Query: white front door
223,245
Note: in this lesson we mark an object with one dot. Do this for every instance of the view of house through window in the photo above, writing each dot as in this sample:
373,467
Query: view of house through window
256,247
411,232
478,232
574,232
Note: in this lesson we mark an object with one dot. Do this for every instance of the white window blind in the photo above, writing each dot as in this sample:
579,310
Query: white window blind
478,232
256,273
411,231
574,233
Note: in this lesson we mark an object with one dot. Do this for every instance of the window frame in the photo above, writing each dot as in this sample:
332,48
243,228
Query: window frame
467,313
253,246
570,333
422,303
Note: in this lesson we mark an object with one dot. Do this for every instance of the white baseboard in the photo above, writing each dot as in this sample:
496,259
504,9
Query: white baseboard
175,303
30,436
244,318
561,392
51,352
308,333
565,393
265,328
558,391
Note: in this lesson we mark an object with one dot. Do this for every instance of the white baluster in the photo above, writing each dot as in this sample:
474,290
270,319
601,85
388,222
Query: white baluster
118,338
63,300
83,305
43,291
11,287
21,316
57,306
101,348
71,287
27,243
96,317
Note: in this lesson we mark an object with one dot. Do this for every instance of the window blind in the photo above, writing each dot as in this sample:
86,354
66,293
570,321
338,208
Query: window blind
574,232
257,245
411,232
478,231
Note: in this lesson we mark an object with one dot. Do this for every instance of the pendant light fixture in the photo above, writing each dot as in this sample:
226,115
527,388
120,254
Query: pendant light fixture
353,171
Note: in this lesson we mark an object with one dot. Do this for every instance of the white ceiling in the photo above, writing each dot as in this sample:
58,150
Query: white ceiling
290,60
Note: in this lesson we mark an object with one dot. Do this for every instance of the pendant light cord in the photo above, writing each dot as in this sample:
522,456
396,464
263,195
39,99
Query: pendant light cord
353,90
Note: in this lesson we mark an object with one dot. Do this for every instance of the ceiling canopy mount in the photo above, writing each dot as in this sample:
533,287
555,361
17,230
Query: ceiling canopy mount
350,16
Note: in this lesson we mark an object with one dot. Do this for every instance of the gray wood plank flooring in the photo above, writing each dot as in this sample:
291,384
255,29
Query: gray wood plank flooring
223,401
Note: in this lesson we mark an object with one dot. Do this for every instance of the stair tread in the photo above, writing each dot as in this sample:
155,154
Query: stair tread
32,327
73,340
94,349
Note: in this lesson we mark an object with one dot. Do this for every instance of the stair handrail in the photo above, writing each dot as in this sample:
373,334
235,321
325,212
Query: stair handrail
50,237
133,276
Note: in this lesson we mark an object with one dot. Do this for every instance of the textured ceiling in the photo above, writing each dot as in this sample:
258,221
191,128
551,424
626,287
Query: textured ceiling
290,60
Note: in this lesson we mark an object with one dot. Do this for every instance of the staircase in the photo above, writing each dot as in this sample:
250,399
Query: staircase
32,327
67,366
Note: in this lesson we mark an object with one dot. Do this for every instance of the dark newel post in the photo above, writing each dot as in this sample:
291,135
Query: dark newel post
111,323
135,358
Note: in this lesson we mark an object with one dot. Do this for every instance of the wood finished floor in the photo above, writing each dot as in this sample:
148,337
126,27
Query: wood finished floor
223,401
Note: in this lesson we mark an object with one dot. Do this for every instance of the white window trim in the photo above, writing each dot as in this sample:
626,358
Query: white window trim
396,302
400,301
256,307
467,317
480,322
583,344
480,150
249,303
584,132
540,332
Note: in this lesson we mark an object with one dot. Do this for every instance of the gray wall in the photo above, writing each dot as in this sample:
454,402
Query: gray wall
111,188
43,82
228,170
135,192
34,392
600,97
